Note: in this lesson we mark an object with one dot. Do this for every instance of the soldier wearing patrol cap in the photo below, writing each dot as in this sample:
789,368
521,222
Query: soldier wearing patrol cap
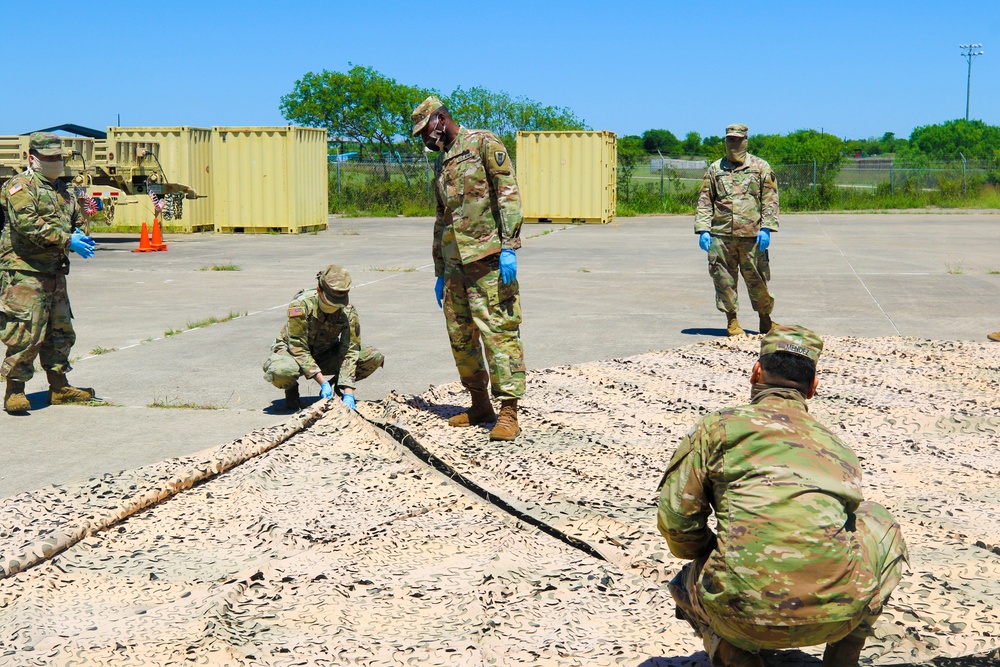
322,341
35,315
737,211
798,558
476,236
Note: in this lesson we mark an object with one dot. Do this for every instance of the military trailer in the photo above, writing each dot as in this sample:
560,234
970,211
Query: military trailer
107,175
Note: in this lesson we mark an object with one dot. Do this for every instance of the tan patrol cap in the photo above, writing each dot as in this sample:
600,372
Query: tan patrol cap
792,338
737,130
423,112
45,143
334,285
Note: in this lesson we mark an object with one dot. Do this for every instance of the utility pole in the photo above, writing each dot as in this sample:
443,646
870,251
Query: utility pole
969,54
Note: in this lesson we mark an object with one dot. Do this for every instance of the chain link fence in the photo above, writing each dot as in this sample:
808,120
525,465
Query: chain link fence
398,185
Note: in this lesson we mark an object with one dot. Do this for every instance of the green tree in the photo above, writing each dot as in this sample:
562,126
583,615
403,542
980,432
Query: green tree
972,138
361,104
663,141
692,144
630,154
504,115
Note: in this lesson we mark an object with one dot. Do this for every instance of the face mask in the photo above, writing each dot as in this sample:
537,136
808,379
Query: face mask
50,169
327,308
737,153
435,138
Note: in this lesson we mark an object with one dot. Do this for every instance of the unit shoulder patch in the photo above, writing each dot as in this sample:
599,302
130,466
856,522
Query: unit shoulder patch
499,156
297,311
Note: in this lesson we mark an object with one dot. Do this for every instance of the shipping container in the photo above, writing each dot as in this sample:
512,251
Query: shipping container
567,176
185,156
14,153
268,179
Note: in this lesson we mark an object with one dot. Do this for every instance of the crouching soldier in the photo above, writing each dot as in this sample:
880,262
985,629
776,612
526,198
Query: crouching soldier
322,341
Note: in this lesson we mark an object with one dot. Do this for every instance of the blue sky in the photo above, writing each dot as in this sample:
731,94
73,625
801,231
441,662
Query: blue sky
855,69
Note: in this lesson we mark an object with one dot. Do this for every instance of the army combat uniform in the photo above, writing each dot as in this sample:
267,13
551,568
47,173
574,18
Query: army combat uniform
478,215
35,314
799,558
735,203
314,341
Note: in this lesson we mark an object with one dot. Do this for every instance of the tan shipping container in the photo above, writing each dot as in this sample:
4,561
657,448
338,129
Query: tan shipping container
269,179
184,154
567,176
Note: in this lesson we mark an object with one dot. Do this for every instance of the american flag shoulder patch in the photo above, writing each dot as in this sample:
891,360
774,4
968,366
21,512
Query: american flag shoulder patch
296,312
14,189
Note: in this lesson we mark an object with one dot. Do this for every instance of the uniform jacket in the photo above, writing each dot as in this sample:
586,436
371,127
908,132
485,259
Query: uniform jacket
478,204
310,334
784,490
737,199
41,217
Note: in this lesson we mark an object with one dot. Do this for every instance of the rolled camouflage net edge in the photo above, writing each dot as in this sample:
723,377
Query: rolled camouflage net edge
76,511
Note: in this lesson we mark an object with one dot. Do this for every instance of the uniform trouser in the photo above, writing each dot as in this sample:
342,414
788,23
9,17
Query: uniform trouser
479,307
35,321
282,370
728,257
884,552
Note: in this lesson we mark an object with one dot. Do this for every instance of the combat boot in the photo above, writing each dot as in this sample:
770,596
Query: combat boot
506,427
765,323
61,391
844,653
292,402
733,327
480,412
732,656
15,400
994,336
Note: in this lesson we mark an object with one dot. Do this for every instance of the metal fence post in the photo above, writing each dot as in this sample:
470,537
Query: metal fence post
814,175
338,180
662,169
963,174
892,184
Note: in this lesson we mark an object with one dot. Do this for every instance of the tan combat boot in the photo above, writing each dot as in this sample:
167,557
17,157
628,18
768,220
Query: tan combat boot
506,427
292,403
844,653
733,656
994,336
61,391
733,327
765,323
14,400
480,412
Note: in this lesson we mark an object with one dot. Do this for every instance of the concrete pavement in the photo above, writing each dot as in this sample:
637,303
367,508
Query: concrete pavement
588,293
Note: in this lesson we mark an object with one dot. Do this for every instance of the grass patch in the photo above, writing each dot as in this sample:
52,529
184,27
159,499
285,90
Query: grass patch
392,269
955,269
583,270
172,332
103,350
994,273
220,267
98,403
208,321
177,404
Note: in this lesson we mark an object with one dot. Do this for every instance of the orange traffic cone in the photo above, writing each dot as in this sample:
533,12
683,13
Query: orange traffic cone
144,240
157,243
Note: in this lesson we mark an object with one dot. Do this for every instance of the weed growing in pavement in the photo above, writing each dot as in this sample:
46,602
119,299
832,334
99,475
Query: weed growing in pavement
177,404
215,320
103,350
955,269
392,269
583,270
172,332
220,267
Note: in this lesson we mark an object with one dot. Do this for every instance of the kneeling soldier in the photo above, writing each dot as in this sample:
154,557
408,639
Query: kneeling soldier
322,341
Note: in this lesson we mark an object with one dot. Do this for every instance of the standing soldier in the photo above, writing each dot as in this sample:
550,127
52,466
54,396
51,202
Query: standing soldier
322,341
798,558
35,315
476,234
737,211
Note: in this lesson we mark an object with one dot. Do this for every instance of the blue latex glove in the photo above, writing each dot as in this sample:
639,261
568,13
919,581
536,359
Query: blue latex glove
349,401
508,266
439,291
81,244
705,241
763,239
325,390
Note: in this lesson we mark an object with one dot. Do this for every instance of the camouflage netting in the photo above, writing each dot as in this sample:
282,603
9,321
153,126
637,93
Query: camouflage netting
339,546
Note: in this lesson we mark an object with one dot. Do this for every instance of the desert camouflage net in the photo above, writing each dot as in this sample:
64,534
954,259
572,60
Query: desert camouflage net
340,547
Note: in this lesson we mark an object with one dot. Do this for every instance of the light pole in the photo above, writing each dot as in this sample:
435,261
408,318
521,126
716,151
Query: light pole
969,54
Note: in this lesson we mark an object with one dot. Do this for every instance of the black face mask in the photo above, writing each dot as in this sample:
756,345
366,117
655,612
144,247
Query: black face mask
435,138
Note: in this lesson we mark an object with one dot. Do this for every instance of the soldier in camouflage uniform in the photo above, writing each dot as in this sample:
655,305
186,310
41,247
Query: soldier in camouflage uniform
476,234
737,211
322,341
35,315
799,558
